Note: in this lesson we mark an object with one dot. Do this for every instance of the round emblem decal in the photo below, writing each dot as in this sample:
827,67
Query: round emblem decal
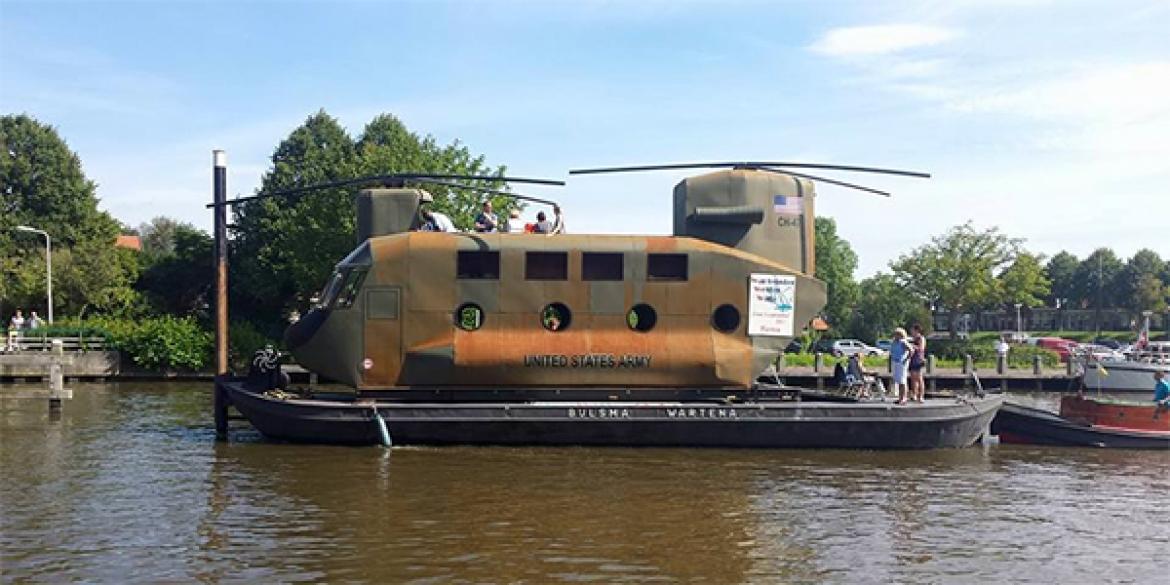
367,363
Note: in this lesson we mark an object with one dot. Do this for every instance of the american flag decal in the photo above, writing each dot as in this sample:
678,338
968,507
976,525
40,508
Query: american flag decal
787,205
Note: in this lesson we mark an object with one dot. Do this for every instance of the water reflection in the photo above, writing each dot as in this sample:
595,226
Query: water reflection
129,485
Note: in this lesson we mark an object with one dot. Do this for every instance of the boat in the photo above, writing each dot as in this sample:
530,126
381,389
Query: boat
506,338
1086,422
348,419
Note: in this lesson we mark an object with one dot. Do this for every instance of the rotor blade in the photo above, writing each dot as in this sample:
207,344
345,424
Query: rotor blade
826,180
487,190
397,178
749,165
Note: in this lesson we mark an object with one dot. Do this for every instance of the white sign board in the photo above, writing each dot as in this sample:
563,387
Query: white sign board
771,305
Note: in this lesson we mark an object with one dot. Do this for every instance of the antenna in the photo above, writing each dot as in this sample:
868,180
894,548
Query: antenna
392,180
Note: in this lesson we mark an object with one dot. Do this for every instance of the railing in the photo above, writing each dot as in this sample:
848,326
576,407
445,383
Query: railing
27,343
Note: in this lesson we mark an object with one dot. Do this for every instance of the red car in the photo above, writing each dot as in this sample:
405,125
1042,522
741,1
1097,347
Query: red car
1063,347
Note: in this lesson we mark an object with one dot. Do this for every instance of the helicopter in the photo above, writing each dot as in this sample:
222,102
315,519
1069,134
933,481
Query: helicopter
706,309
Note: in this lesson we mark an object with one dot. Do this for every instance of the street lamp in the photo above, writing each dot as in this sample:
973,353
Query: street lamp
1019,326
48,263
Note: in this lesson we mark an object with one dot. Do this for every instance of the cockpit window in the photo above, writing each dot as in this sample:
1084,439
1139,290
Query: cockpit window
350,288
331,289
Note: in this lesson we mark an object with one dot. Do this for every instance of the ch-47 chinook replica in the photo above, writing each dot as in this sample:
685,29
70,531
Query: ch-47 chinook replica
437,323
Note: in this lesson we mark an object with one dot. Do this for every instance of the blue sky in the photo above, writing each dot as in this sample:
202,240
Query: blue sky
1050,120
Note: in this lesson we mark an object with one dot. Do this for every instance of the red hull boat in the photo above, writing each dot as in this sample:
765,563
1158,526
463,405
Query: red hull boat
1087,422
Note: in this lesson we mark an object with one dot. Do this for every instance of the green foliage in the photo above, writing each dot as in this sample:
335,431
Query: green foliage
177,275
43,186
244,339
160,343
1023,281
285,248
835,263
984,352
1061,271
1096,279
1140,285
883,306
957,269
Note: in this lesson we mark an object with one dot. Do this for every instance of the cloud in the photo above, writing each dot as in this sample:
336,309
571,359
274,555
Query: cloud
880,39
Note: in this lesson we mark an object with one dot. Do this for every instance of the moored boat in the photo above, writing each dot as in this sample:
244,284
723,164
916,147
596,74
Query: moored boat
952,422
1086,422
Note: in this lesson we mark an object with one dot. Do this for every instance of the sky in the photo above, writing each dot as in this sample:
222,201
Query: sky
1048,120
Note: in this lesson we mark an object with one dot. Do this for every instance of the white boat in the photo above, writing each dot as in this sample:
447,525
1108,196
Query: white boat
1135,374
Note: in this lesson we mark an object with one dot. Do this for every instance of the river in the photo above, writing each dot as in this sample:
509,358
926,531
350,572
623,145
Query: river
128,485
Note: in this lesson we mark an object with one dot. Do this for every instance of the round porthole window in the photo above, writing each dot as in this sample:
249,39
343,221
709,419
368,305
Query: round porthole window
641,317
469,317
725,318
556,317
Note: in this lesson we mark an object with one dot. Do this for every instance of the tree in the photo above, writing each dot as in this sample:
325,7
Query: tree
883,304
1139,284
1061,272
1097,277
43,186
285,248
956,270
835,263
1024,282
158,236
179,282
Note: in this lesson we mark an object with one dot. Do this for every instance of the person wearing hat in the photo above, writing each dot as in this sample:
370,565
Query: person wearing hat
1161,388
900,353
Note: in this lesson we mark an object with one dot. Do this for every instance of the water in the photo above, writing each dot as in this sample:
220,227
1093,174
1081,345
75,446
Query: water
129,486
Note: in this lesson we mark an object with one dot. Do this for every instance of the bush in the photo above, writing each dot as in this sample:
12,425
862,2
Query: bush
159,343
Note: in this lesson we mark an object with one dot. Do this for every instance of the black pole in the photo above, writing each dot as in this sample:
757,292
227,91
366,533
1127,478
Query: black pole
219,180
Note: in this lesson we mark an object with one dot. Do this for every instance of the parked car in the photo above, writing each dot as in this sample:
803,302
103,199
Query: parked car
1110,343
794,346
884,344
823,346
1062,347
844,347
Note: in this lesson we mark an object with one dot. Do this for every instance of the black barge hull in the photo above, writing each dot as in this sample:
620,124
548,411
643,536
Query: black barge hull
1033,426
858,425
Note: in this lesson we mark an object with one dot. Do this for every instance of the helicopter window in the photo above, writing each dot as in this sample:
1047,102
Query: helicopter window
641,317
546,266
349,290
469,317
725,318
666,267
478,265
556,317
601,266
331,289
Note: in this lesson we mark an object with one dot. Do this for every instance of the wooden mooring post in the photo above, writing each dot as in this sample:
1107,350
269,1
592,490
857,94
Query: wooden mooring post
57,390
219,182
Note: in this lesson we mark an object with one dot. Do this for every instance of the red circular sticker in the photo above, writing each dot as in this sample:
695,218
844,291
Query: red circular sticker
367,363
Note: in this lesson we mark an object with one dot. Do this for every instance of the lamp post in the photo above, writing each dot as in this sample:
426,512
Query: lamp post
1019,326
48,263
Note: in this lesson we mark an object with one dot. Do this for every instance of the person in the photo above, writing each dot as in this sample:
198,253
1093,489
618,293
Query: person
1161,388
14,326
917,363
855,374
514,225
543,225
486,221
437,222
900,351
33,321
1002,348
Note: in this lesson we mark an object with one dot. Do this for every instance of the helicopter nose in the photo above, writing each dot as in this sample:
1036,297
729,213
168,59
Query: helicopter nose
299,333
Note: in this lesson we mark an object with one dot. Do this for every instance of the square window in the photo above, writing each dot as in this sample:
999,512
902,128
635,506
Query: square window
546,266
478,265
382,304
602,266
666,267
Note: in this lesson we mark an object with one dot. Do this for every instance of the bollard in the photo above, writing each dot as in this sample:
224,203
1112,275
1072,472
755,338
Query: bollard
930,372
1036,365
818,365
1069,368
968,364
1000,364
57,391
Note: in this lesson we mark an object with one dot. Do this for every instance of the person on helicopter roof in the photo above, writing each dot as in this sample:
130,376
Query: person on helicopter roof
436,222
487,221
544,226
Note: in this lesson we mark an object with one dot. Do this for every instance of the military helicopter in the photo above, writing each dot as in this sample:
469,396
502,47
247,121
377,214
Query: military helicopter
413,313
